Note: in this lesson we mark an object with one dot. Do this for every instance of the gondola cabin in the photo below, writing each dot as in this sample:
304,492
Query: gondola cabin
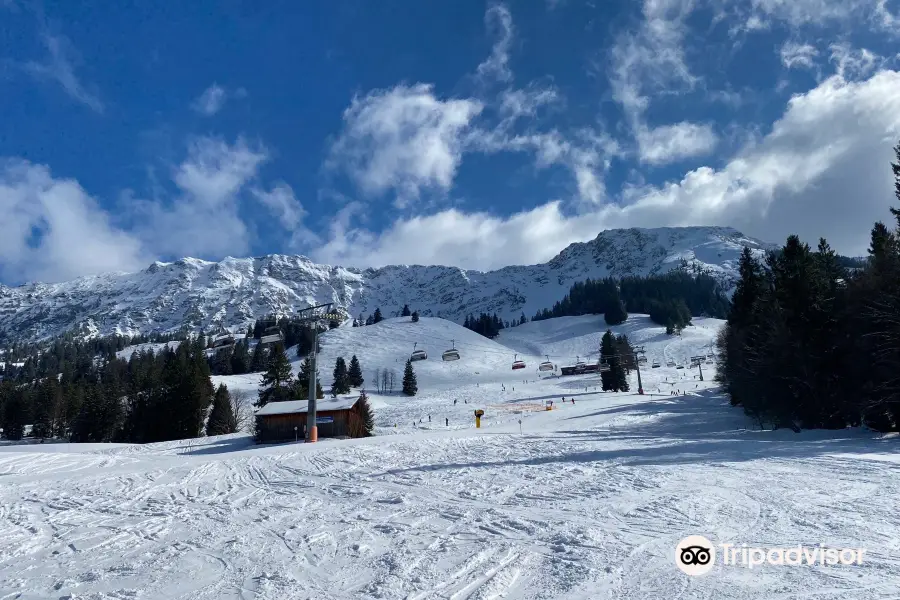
450,355
418,355
545,366
655,365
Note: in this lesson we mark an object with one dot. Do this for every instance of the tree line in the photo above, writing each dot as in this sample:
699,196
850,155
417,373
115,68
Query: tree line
670,299
151,397
813,343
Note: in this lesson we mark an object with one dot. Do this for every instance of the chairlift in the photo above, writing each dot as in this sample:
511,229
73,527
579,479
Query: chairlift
680,367
452,353
271,335
655,364
642,360
709,361
517,364
670,363
223,342
604,366
546,365
417,354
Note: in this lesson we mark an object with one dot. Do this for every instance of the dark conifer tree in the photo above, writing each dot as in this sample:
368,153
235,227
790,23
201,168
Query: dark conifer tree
341,384
354,373
258,360
303,381
415,316
367,415
405,312
410,385
376,317
222,419
276,383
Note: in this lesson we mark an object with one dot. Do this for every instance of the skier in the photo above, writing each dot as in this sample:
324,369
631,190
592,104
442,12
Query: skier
454,402
447,422
573,400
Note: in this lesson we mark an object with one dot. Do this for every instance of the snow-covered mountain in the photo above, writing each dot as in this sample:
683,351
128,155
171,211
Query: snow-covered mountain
197,293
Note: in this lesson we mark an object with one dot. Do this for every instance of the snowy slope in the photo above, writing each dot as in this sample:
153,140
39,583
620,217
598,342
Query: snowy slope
587,502
196,293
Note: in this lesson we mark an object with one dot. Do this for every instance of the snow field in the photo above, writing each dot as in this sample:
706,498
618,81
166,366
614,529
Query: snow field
587,502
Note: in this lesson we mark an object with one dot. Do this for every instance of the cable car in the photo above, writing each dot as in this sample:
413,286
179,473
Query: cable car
655,364
547,365
452,353
417,354
517,364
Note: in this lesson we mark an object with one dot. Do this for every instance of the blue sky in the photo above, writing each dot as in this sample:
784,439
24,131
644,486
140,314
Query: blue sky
461,132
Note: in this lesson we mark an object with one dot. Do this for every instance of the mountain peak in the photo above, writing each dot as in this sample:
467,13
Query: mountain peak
232,292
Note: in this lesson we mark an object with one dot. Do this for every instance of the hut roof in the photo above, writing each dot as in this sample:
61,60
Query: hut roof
300,406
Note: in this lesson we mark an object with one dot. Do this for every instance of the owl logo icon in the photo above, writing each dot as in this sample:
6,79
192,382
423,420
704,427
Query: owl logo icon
695,555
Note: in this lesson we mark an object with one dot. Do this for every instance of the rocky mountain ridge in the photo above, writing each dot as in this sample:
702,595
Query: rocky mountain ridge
234,291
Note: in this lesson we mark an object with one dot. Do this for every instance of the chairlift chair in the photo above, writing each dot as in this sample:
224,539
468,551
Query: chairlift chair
417,354
642,360
223,342
670,363
680,367
517,364
604,366
546,365
452,353
271,335
655,364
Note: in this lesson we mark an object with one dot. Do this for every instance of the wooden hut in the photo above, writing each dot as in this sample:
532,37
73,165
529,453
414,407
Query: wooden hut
335,417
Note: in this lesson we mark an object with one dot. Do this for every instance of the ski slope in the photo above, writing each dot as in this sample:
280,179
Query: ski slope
585,501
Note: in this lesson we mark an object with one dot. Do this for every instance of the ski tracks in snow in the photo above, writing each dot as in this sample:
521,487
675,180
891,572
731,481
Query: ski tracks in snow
592,512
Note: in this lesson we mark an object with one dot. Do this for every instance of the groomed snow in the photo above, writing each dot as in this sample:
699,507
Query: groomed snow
585,501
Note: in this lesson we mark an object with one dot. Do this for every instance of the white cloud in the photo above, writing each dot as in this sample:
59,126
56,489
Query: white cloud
795,55
498,20
202,220
670,143
210,101
823,170
283,205
649,61
52,230
403,139
60,68
853,63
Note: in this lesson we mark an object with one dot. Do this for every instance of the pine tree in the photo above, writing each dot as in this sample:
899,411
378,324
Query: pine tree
341,383
258,359
405,312
615,378
355,372
376,317
410,386
366,415
415,317
222,419
275,384
303,381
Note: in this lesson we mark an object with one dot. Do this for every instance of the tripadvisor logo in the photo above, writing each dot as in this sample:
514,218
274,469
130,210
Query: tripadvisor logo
696,555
